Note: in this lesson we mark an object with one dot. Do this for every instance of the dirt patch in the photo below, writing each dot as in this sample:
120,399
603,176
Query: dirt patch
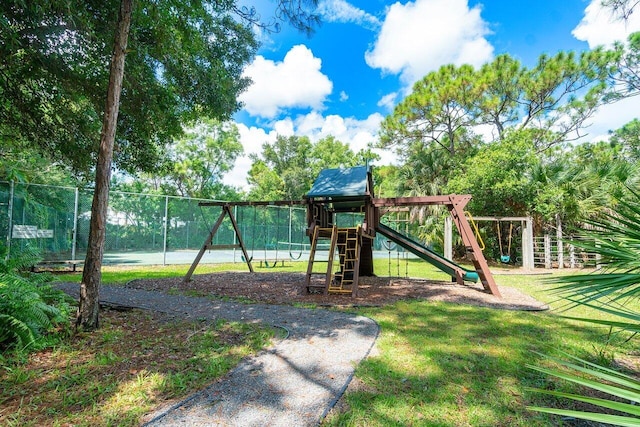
288,288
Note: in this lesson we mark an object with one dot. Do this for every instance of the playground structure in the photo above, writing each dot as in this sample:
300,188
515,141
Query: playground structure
526,227
350,249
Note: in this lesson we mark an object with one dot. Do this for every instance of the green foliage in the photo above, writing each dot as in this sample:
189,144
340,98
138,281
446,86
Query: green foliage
616,239
440,105
194,165
433,128
498,176
200,159
627,141
553,99
287,168
595,377
55,75
626,80
29,306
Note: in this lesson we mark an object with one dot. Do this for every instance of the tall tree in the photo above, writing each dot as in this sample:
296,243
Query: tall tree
287,167
498,176
184,60
203,40
289,159
554,98
88,308
627,139
453,110
440,105
197,162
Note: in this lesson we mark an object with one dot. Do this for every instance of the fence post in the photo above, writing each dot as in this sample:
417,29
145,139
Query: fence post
547,251
572,256
235,236
559,243
166,220
75,226
448,237
528,257
10,215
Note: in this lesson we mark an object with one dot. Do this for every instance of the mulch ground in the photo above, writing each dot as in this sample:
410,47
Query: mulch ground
288,288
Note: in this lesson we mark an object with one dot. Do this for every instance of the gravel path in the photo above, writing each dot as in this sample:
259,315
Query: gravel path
293,383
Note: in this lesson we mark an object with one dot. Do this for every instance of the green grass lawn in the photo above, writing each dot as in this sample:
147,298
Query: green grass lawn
441,364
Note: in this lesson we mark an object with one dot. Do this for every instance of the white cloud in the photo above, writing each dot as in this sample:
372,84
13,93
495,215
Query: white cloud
343,96
295,82
600,26
252,139
611,117
344,12
357,133
418,37
388,101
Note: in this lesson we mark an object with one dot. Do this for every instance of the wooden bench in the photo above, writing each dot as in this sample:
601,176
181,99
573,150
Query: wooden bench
48,265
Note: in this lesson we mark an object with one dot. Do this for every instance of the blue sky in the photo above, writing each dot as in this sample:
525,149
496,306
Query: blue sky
363,59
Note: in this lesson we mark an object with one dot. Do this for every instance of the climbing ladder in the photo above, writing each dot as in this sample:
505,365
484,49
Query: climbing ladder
342,273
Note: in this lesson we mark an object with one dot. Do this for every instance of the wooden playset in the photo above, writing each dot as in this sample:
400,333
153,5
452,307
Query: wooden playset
350,249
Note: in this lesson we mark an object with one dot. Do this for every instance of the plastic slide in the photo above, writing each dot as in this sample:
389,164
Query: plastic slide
427,254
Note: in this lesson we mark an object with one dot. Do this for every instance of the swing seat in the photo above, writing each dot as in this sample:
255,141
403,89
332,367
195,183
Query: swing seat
505,259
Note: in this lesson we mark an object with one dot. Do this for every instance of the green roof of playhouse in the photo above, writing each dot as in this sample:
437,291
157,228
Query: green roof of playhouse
339,183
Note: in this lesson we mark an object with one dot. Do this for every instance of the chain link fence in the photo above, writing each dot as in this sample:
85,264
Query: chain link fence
155,229
141,228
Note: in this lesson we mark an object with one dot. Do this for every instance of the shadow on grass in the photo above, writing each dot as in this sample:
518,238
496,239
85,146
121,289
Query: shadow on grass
116,375
443,364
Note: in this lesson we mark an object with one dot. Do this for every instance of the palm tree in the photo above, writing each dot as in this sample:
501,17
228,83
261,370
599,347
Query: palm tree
616,238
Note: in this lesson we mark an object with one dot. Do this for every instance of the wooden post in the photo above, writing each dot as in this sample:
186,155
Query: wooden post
572,256
226,210
559,242
528,260
547,251
204,247
448,238
456,208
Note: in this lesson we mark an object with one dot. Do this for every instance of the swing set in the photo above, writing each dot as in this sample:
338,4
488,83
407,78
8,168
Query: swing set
350,254
505,258
522,226
227,210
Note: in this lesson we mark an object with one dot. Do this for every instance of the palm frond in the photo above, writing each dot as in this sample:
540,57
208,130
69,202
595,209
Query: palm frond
595,377
615,238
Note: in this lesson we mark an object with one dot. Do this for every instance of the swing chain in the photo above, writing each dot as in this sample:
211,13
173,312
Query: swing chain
505,258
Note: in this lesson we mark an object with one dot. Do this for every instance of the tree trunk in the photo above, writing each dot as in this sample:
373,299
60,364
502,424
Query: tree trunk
88,309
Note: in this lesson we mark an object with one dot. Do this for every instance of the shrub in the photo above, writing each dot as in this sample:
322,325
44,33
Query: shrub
30,306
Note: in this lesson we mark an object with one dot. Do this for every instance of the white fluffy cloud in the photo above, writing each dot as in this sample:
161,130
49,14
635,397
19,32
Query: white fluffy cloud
295,82
342,11
388,101
601,27
357,133
418,37
611,117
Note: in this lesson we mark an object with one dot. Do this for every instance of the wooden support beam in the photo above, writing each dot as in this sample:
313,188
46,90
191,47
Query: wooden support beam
226,210
219,247
421,201
257,203
471,244
239,236
207,242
